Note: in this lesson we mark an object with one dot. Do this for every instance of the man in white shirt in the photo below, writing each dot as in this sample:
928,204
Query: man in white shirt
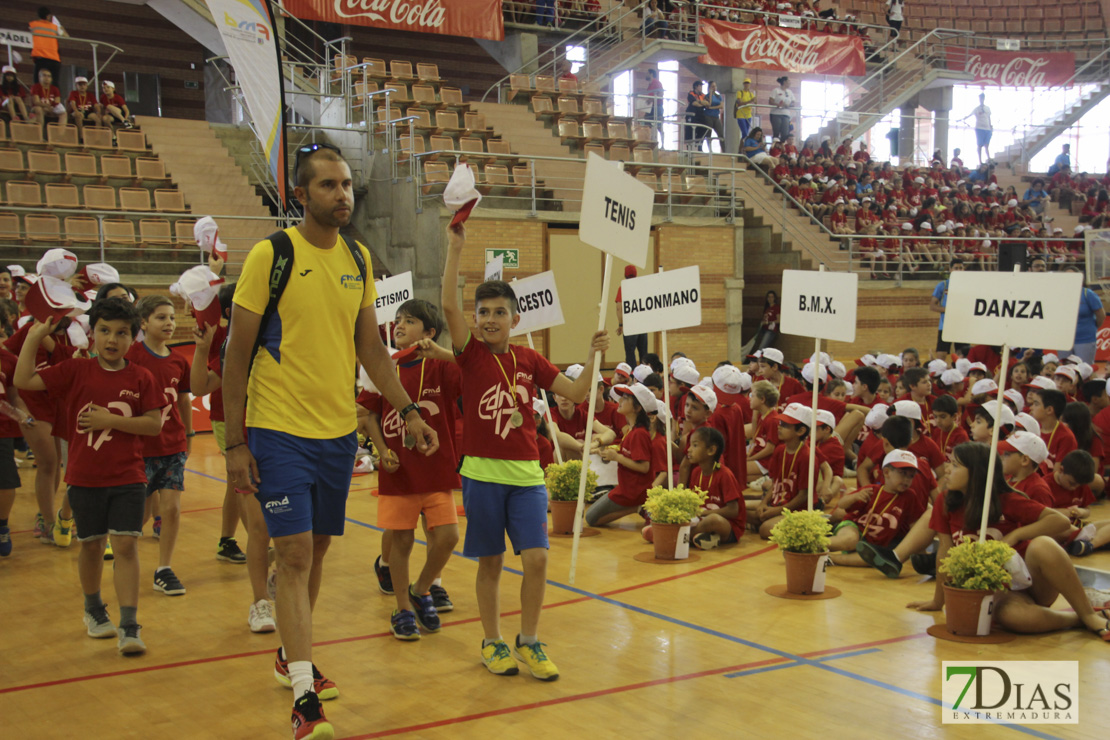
782,101
983,128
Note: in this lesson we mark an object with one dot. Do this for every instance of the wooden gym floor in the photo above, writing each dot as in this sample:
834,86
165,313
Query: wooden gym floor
644,650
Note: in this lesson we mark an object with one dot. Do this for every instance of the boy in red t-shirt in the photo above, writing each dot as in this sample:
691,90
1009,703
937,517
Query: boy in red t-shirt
1047,406
110,404
46,101
723,516
1022,452
82,105
10,430
113,108
411,484
946,431
763,429
165,454
788,471
503,486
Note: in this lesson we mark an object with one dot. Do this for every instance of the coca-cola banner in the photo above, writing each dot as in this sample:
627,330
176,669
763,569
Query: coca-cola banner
749,46
1014,68
475,18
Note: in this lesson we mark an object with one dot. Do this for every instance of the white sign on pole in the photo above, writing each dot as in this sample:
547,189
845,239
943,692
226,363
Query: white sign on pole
537,303
12,37
1022,309
495,268
616,211
392,292
661,301
848,118
819,304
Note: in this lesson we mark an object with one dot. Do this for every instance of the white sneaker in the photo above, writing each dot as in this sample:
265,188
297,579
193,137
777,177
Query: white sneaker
261,618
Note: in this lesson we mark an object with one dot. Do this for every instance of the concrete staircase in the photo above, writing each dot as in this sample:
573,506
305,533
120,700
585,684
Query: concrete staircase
1024,149
211,181
518,125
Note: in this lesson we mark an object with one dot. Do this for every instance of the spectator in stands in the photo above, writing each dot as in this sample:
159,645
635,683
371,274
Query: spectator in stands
46,101
1063,159
12,95
545,12
1036,196
5,283
1091,316
894,17
44,46
113,108
983,128
653,110
714,113
938,304
695,117
82,105
782,100
655,21
742,108
754,149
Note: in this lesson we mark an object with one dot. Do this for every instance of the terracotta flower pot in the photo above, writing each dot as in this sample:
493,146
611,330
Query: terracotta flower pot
967,612
562,516
801,569
665,539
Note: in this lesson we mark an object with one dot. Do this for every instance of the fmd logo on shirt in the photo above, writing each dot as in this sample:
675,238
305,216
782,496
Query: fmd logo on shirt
354,282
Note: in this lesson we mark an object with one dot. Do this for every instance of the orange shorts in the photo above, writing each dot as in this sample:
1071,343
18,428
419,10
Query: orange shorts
403,512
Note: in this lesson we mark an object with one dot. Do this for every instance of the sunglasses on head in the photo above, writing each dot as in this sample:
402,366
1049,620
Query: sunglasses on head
310,149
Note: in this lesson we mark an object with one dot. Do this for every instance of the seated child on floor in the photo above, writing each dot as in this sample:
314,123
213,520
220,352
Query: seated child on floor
722,518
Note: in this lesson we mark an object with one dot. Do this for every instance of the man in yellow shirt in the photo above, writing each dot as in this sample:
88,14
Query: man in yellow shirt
742,108
299,404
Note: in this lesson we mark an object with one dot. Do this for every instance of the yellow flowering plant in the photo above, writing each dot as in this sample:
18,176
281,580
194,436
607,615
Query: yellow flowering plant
676,505
563,480
802,531
978,565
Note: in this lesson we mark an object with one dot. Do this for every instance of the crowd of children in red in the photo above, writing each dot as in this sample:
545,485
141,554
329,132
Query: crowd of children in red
920,217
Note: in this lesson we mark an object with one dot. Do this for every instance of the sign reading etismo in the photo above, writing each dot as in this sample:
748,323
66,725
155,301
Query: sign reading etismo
819,304
662,301
1030,309
392,292
537,301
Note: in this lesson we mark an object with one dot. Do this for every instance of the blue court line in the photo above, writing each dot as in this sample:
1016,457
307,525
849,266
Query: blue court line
795,659
780,666
206,475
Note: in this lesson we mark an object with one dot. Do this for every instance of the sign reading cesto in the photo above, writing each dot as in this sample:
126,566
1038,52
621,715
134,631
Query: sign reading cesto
537,303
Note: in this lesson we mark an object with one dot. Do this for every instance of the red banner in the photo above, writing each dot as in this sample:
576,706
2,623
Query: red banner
1014,68
786,49
475,18
1102,342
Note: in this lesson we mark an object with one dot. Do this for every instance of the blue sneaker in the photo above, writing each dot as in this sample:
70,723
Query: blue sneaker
157,527
5,542
425,610
403,625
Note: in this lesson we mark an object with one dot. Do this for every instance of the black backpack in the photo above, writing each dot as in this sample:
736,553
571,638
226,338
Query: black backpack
279,278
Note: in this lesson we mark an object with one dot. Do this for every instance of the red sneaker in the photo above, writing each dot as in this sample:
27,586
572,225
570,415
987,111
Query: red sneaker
309,722
325,688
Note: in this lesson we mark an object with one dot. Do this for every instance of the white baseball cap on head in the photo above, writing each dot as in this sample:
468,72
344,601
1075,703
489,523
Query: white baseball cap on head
773,355
1014,397
951,377
826,417
1085,370
1073,359
680,361
986,385
1068,371
1042,382
937,367
574,371
976,366
538,406
876,416
964,366
1028,444
796,413
1008,418
900,459
1050,357
108,83
687,374
868,360
1028,423
824,359
807,373
640,372
730,379
838,370
643,396
908,409
706,395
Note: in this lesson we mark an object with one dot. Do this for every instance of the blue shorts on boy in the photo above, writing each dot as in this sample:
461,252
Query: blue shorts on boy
494,509
165,472
308,481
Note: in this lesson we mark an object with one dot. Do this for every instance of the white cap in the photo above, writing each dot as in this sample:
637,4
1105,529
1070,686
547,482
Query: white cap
986,385
868,360
926,226
1085,370
1011,203
908,409
1048,357
796,413
976,366
640,372
1014,397
1008,418
937,367
919,180
942,228
623,369
109,83
824,359
1066,370
951,377
773,355
708,396
57,263
687,374
676,362
1029,444
838,370
826,418
807,373
730,379
79,80
574,371
964,366
647,400
876,416
1028,423
538,406
900,459
907,226
8,68
16,271
1043,383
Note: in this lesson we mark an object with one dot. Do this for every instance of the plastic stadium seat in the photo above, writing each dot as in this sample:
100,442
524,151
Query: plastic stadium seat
9,228
116,166
375,68
425,95
61,195
568,86
401,70
81,165
11,160
82,229
24,193
98,138
448,120
545,83
119,231
452,98
428,72
155,231
149,168
620,153
3,131
134,199
43,228
169,200
435,177
99,197
26,133
183,231
131,141
519,84
59,135
44,163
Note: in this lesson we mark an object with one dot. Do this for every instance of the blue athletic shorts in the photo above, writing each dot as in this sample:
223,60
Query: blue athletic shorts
983,136
304,482
165,473
494,509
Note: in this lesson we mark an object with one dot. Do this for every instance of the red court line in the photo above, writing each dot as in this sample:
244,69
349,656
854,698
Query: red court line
620,689
359,638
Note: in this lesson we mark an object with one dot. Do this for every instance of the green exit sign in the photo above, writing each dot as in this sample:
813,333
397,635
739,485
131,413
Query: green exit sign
510,257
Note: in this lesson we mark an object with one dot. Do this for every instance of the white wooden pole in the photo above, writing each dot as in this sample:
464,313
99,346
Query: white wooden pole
813,419
593,368
547,414
670,416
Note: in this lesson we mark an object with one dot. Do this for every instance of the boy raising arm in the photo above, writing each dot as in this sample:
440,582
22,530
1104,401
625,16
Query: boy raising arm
503,486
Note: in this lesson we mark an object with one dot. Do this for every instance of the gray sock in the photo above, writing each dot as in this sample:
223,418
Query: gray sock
128,615
92,601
